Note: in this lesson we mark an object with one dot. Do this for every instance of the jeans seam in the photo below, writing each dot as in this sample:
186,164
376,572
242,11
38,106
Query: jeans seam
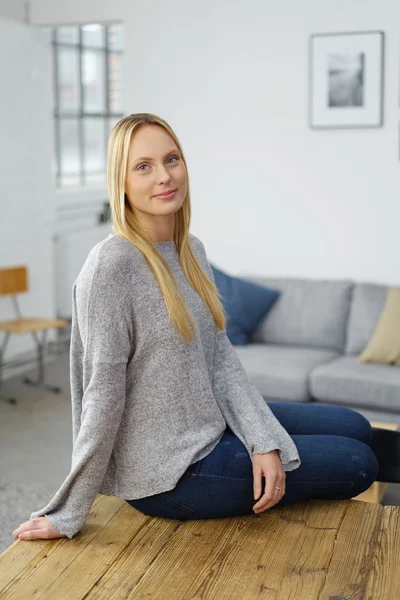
178,504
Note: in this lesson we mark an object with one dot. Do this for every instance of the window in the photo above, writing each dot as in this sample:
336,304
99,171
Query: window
86,66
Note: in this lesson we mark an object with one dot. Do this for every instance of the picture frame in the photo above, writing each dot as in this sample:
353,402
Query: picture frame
398,142
346,73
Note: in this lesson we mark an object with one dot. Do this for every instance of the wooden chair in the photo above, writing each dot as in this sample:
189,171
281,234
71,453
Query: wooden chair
13,281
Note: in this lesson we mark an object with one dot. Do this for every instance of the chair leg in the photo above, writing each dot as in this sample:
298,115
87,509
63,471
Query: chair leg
386,446
2,350
40,383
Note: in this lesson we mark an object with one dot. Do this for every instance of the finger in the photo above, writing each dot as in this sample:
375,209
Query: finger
20,533
27,526
42,533
257,484
278,494
19,530
266,502
271,494
38,534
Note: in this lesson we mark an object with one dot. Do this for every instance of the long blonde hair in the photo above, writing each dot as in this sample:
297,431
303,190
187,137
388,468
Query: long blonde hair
124,223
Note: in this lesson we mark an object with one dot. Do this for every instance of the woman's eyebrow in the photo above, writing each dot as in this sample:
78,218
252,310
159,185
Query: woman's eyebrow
150,158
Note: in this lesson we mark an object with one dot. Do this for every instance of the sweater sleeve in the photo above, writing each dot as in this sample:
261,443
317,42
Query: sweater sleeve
101,345
243,407
245,410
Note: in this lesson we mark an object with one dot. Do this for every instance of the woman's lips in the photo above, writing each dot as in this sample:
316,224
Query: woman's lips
166,196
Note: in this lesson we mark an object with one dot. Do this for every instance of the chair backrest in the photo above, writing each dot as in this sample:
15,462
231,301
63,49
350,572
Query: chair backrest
13,280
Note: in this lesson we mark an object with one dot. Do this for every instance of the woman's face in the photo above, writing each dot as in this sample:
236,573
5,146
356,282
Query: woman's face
155,166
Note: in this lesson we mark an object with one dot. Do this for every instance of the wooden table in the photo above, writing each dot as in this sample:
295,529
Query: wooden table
377,490
321,549
318,549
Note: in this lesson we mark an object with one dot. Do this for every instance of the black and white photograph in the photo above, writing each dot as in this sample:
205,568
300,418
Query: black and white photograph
346,80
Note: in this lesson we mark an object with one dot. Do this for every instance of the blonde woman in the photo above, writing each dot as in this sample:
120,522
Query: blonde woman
164,414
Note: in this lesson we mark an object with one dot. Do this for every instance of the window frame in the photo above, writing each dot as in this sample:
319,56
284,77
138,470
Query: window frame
107,50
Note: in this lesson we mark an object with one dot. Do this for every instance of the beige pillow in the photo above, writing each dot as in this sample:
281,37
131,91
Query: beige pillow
384,345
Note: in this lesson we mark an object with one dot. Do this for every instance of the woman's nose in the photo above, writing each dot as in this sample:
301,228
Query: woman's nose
163,175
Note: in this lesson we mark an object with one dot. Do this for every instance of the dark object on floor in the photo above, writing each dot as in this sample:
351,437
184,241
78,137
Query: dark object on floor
386,445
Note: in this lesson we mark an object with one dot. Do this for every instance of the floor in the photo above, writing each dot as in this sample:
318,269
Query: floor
36,447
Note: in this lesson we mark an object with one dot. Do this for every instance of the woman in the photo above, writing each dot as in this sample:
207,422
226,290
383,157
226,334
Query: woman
164,414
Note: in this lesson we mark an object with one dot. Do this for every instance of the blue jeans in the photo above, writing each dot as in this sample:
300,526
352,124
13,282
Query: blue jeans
337,463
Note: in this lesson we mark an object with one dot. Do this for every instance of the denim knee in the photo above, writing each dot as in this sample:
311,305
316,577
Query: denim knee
366,469
363,425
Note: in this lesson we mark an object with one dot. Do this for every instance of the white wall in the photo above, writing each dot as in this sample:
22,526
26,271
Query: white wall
14,9
269,195
26,189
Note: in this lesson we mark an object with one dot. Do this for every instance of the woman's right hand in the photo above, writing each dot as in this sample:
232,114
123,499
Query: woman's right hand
269,465
38,528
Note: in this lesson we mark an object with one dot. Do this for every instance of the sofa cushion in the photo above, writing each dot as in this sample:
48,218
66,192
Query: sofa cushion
245,303
281,372
384,345
368,300
308,313
346,381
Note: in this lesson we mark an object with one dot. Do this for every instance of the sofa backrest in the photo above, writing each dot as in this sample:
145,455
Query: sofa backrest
368,300
309,312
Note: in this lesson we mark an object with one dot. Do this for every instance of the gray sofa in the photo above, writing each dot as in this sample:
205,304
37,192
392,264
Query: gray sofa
305,349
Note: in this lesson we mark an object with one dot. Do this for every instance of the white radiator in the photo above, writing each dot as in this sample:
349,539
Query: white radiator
71,251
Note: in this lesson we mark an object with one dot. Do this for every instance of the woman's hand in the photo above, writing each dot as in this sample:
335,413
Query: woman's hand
269,465
38,528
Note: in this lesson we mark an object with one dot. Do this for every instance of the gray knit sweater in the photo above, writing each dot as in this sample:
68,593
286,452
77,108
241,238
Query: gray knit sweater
145,405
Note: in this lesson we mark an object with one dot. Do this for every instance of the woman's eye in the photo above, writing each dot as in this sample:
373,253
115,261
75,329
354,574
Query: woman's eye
145,165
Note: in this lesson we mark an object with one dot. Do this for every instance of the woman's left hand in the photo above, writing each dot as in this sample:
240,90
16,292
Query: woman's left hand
269,465
38,528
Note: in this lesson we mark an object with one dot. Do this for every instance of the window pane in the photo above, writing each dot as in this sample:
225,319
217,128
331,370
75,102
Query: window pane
68,77
69,146
115,36
111,122
95,178
93,79
93,35
70,180
68,35
114,83
94,144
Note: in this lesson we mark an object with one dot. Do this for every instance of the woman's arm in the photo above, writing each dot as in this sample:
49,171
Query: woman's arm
243,407
101,345
245,410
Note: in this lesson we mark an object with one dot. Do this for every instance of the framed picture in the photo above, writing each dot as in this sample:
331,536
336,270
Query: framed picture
346,80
